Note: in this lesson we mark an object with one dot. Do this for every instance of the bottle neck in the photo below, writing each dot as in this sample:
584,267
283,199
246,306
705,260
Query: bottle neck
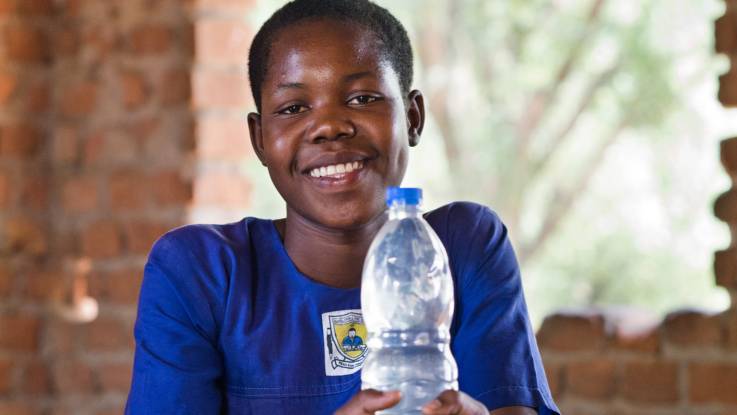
399,210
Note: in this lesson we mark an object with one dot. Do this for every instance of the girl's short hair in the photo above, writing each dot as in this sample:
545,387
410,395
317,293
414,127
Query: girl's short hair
391,35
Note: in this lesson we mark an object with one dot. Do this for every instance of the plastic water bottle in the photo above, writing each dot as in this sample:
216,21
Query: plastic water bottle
407,304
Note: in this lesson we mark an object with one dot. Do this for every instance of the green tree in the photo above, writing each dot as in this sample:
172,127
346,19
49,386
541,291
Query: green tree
526,100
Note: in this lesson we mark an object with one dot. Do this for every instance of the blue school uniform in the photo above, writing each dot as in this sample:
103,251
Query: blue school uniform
227,324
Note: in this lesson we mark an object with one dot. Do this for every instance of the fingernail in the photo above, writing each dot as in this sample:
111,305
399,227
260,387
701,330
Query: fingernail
435,404
393,394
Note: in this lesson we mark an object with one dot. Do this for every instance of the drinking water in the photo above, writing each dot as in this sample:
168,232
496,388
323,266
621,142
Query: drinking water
407,304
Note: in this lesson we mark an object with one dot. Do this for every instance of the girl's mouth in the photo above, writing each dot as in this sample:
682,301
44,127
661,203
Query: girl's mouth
337,176
336,171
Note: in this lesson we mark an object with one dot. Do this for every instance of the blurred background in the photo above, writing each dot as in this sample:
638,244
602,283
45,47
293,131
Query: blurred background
595,129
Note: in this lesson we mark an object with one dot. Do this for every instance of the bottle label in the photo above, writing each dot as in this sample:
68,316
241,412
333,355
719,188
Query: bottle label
345,341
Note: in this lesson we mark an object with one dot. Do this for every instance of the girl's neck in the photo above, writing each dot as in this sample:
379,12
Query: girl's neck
330,256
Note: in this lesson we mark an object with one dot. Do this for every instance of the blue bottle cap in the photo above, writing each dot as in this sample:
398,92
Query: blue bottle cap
406,195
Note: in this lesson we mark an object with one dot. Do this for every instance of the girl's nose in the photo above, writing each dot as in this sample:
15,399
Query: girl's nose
330,126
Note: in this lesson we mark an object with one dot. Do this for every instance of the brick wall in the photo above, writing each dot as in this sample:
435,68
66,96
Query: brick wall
119,119
623,362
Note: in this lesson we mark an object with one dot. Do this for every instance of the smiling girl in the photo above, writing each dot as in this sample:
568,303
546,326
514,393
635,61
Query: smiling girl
236,318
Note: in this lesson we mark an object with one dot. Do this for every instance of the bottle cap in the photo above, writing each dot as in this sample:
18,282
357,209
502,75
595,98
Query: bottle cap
406,195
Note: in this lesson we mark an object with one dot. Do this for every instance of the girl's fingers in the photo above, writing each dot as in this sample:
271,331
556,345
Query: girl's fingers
452,402
368,401
372,400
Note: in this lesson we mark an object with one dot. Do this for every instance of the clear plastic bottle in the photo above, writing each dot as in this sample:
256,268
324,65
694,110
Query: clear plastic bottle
407,304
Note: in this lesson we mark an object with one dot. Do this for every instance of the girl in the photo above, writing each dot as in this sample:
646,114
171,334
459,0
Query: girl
236,318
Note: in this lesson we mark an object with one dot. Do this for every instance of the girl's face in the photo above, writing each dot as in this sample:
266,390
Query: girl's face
334,129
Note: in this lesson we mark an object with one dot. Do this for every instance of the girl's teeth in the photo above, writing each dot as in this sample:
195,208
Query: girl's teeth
336,169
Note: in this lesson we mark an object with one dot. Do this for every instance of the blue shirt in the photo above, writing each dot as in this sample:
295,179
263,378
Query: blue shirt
227,324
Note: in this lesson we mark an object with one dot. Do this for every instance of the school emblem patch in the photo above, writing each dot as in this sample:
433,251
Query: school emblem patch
345,341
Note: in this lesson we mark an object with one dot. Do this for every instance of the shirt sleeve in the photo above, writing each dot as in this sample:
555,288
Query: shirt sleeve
177,368
493,341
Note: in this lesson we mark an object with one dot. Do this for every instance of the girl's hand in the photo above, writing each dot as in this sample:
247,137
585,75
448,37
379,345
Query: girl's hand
452,402
368,401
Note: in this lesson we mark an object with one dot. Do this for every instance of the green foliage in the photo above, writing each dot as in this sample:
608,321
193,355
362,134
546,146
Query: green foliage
528,101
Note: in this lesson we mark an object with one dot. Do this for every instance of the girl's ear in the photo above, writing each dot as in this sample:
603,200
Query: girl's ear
415,116
257,139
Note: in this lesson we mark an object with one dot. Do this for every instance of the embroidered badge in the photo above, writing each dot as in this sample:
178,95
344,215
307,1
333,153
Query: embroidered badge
345,341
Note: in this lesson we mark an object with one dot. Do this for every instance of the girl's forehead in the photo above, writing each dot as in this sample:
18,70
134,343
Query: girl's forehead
326,44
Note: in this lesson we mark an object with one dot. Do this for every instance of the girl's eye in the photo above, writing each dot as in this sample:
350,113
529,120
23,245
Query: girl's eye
293,109
363,99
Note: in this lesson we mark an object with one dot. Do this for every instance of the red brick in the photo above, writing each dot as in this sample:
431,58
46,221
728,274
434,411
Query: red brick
115,377
650,382
141,235
24,43
688,328
8,86
168,188
94,149
151,39
34,193
66,42
6,369
36,7
60,337
8,7
175,87
728,152
111,147
5,190
223,138
119,287
127,191
222,40
572,331
65,145
725,207
18,408
37,98
213,88
555,373
634,330
222,190
143,128
713,382
19,333
106,334
728,87
730,321
726,33
101,240
78,100
42,286
73,377
593,379
19,140
35,379
24,235
6,281
134,89
100,41
645,341
80,195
